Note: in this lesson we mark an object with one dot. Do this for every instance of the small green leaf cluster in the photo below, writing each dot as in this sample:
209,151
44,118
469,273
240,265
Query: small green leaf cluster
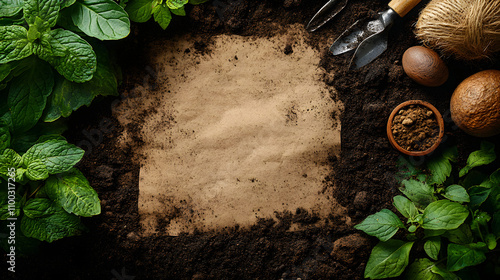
44,192
32,44
160,10
458,224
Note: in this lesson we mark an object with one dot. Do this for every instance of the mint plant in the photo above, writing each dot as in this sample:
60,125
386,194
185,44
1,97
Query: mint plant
160,10
50,194
32,44
455,219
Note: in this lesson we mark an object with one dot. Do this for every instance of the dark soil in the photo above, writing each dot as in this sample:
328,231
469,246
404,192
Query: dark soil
415,128
364,174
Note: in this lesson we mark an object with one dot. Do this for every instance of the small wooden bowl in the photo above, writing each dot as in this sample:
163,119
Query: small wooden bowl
439,120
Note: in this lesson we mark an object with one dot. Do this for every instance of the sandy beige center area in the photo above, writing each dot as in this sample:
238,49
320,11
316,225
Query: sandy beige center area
234,135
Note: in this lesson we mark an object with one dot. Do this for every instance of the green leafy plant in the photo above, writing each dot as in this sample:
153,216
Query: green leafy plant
46,193
455,220
32,44
160,10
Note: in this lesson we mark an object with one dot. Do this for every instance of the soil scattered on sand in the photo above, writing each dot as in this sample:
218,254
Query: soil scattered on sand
415,128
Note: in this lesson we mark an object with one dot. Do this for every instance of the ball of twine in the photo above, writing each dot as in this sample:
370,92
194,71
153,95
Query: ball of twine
467,29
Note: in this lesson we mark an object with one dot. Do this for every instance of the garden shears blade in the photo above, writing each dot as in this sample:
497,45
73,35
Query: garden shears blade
368,37
326,13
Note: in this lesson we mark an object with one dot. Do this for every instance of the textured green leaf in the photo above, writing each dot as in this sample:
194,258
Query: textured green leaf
405,207
4,136
69,96
73,192
176,4
444,214
14,44
440,165
9,159
483,156
383,225
102,19
388,259
36,170
46,10
162,15
478,195
460,256
139,10
432,247
179,12
57,155
4,70
422,269
67,3
28,95
78,63
419,192
456,193
58,225
9,8
460,235
38,208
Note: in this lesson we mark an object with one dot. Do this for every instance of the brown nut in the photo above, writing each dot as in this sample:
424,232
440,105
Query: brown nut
475,104
425,66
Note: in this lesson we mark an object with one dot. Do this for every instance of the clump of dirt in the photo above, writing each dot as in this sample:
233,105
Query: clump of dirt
415,128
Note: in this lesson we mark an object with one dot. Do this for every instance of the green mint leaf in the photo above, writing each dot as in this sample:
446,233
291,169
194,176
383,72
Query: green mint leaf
5,70
383,225
28,95
69,96
14,43
405,207
9,8
73,192
406,170
483,156
139,10
444,214
440,165
78,63
67,3
491,241
37,170
46,10
456,193
57,155
38,208
422,269
176,4
460,235
478,195
58,225
162,15
432,247
388,259
179,12
9,159
419,192
460,256
102,19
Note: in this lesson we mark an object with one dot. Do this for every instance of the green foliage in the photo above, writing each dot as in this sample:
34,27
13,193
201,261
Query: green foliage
457,221
160,10
32,46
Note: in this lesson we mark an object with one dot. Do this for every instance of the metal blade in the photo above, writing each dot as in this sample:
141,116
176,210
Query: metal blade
361,30
326,13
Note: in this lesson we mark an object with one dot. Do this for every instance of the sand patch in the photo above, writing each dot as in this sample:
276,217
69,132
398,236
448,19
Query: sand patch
235,135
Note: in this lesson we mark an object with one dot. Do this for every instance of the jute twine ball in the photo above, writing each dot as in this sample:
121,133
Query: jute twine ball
466,29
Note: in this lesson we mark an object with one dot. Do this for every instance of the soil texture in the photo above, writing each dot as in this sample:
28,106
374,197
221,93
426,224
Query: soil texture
364,172
415,128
